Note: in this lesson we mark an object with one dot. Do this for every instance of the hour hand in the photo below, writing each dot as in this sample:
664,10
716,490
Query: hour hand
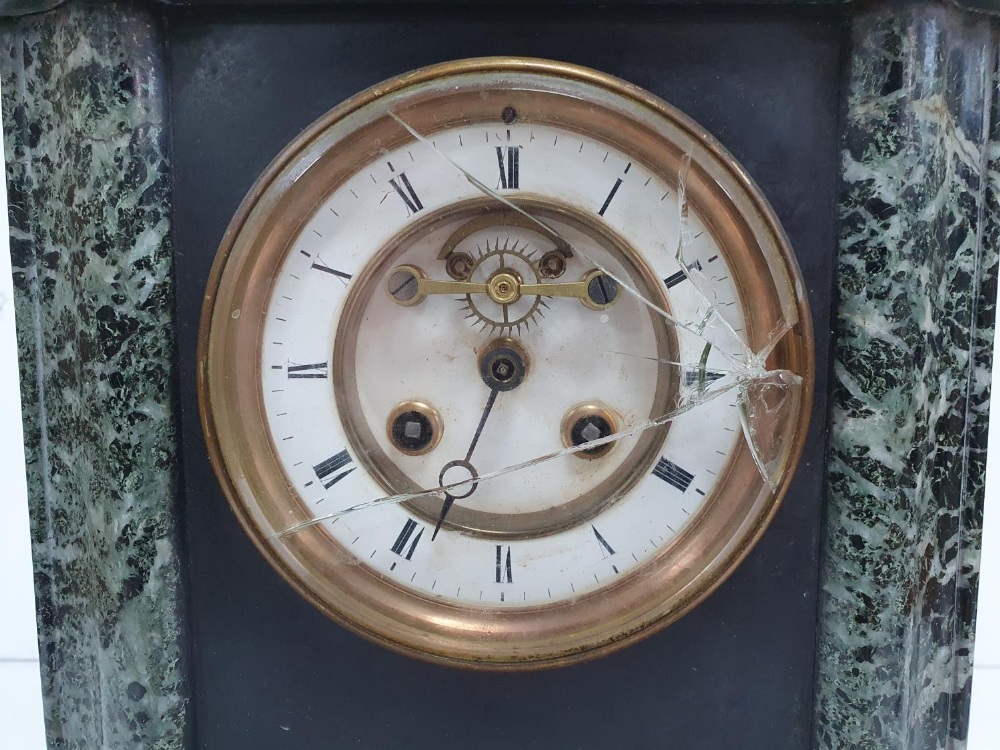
436,286
449,500
595,290
408,285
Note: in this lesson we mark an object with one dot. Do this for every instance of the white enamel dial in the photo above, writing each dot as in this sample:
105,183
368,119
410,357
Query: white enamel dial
504,364
428,353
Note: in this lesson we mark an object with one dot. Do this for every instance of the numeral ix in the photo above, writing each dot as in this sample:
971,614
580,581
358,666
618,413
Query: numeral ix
317,370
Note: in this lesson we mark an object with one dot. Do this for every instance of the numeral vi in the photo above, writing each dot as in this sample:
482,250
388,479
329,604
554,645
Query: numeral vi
503,566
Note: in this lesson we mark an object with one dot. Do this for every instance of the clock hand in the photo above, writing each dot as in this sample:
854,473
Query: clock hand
711,392
506,308
596,289
751,363
482,422
435,286
449,498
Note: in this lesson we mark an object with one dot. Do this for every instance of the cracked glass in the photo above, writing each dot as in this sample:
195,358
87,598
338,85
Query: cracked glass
534,364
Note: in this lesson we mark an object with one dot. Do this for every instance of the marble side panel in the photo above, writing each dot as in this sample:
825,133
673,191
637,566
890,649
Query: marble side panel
87,168
917,285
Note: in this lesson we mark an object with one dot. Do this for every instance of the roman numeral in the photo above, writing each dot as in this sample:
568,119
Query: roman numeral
509,171
327,471
317,370
611,195
693,377
677,278
602,541
321,266
407,193
503,567
404,536
673,474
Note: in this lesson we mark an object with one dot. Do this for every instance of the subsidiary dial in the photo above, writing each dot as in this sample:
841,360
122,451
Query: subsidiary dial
403,336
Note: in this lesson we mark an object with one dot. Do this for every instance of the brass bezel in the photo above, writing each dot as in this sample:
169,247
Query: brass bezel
641,602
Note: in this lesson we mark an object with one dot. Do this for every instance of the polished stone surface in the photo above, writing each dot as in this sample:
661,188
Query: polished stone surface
724,676
84,107
917,283
85,128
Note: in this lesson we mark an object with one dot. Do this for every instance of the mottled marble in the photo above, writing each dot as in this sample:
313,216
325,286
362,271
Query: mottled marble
916,278
11,8
983,6
87,169
84,116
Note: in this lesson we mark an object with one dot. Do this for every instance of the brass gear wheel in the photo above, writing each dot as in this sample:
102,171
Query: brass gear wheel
501,260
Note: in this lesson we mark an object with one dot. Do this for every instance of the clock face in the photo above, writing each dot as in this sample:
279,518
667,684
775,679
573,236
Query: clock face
505,363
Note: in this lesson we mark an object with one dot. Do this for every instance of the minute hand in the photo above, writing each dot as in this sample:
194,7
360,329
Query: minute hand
449,499
553,289
557,289
435,286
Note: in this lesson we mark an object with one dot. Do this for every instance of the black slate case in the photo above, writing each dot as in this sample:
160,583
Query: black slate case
272,673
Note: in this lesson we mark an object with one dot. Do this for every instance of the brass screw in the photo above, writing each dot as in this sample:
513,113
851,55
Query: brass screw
504,288
459,266
552,265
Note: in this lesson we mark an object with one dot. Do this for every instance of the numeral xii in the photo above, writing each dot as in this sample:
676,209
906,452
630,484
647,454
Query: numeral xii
510,168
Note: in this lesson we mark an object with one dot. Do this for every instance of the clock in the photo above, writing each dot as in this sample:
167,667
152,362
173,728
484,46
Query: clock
505,363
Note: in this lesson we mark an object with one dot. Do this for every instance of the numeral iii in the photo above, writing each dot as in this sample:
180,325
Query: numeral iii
317,370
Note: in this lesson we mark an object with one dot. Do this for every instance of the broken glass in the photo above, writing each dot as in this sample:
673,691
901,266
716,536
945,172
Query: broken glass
767,400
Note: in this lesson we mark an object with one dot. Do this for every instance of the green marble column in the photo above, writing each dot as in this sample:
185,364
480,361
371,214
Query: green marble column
916,279
88,175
